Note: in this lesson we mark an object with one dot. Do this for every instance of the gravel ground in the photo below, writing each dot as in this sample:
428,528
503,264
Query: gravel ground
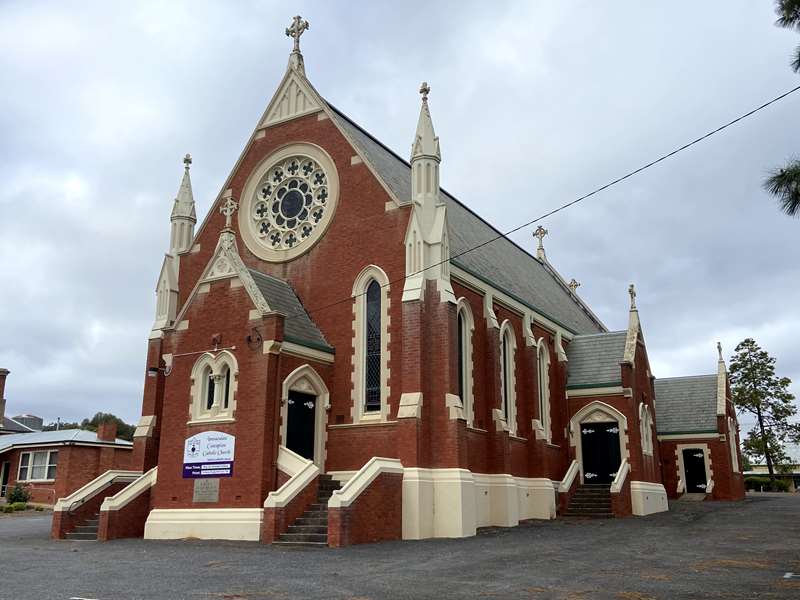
696,550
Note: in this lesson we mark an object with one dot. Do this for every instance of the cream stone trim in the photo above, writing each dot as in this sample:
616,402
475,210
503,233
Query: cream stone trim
709,465
215,364
722,380
355,160
296,483
242,524
291,100
646,429
356,485
488,311
94,487
195,249
305,352
182,326
342,476
358,395
463,308
616,390
254,315
132,491
569,477
454,406
203,288
271,347
620,477
508,376
527,329
499,420
734,447
322,117
598,412
236,283
306,380
688,436
632,336
244,214
290,462
493,294
410,406
648,498
145,426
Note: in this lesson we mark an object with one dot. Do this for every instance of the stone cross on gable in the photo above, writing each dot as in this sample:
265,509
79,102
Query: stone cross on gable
573,285
719,350
296,29
540,233
632,292
187,160
424,89
228,208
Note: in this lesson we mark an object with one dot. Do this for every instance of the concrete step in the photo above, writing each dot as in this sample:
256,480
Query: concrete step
315,521
318,506
307,529
74,535
301,544
571,514
304,537
93,522
589,509
86,529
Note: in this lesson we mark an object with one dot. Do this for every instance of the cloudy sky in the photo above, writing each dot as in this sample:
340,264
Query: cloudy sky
535,104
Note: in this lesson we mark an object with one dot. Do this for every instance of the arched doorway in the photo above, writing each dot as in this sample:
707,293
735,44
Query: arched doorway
599,434
304,405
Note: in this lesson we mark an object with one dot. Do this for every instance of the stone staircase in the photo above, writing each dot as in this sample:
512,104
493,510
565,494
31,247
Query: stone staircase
591,501
87,530
311,528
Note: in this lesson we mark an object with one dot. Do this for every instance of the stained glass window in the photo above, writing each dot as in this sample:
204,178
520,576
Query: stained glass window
372,369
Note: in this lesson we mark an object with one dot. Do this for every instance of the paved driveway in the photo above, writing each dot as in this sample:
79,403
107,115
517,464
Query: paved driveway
697,550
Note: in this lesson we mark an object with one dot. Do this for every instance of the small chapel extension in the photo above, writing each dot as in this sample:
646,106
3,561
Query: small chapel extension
338,356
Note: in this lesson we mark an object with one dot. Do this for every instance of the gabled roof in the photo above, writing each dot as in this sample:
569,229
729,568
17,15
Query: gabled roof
9,425
501,263
298,326
594,360
61,437
686,404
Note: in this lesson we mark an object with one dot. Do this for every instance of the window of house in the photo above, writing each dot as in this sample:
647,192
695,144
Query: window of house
38,466
214,387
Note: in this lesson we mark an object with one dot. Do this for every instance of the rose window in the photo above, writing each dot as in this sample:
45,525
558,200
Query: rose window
290,202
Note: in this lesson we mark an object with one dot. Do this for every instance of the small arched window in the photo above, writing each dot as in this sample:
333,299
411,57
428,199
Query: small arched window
214,387
372,357
465,325
542,375
507,384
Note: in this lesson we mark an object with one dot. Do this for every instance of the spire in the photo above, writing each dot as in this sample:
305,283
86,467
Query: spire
722,382
294,31
426,144
632,294
540,233
183,216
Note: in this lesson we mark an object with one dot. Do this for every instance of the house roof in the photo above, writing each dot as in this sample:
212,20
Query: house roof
51,438
686,404
11,426
502,263
298,327
593,360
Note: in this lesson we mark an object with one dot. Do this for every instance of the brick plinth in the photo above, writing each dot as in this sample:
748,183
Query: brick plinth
278,519
65,521
127,522
376,515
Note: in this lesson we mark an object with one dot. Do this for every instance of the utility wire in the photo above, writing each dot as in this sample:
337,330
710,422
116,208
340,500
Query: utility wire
563,206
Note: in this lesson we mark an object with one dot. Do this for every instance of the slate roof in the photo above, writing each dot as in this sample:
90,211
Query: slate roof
280,296
594,359
63,436
501,263
11,426
686,404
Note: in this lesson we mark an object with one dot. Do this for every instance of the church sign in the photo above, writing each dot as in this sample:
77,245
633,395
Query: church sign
208,454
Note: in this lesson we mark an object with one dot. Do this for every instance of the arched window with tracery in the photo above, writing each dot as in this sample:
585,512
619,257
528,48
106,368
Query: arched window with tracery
372,358
214,387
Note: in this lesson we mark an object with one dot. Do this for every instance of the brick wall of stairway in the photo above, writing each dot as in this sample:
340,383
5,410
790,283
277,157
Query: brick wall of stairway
591,501
311,528
87,530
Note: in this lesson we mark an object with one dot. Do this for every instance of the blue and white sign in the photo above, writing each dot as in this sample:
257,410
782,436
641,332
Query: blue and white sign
208,454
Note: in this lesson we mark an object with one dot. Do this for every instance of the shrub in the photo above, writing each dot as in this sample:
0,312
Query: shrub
17,494
757,483
780,485
20,505
38,509
7,508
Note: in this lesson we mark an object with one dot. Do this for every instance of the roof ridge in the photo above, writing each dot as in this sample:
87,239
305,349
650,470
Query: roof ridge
710,375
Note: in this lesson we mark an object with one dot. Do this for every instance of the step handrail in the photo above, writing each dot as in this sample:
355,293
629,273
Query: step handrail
297,482
569,477
94,487
130,492
619,479
359,482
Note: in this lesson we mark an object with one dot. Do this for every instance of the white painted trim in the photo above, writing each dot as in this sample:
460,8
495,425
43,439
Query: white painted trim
569,477
94,487
681,469
132,491
358,396
205,524
376,466
342,476
296,484
306,380
290,462
301,351
619,478
648,498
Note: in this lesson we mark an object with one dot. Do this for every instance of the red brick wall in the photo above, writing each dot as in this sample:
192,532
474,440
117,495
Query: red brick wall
621,501
727,484
376,515
277,520
127,522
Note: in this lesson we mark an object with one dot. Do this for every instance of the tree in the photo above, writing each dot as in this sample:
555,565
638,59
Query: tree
784,183
758,391
124,431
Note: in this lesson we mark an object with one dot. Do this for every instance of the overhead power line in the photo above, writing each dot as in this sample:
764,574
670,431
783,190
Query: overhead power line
568,204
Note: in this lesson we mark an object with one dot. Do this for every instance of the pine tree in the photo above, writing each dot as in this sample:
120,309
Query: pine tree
758,391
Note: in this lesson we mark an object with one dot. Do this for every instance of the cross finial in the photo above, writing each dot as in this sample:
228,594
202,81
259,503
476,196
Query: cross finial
632,293
424,89
719,351
228,208
295,30
187,160
573,285
540,233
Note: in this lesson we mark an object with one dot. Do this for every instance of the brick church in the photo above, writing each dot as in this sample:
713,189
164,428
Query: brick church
343,352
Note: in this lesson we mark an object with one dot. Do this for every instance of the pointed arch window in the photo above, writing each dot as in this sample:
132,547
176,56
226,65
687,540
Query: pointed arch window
543,380
372,358
508,397
465,325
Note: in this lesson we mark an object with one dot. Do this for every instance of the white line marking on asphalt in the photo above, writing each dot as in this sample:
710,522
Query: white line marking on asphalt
79,598
791,576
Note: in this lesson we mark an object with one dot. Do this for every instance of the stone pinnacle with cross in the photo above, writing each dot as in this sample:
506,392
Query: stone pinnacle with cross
425,89
719,351
295,30
573,285
228,208
632,293
187,161
540,233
